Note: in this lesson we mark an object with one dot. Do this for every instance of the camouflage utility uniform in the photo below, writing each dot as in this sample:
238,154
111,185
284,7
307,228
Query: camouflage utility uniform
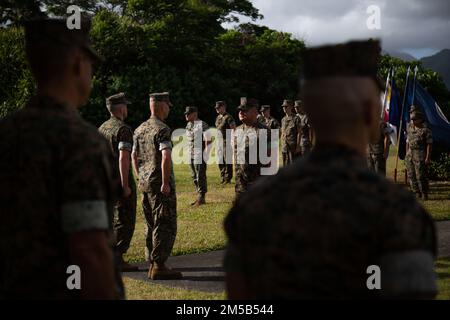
120,137
304,127
289,136
57,177
197,162
160,211
375,155
223,123
247,173
271,123
418,139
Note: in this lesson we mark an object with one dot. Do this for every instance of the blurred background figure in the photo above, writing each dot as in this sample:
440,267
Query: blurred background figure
324,220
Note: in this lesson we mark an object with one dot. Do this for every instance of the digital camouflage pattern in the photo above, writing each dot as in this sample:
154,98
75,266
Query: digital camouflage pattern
418,139
375,152
223,123
270,123
246,173
197,163
289,138
148,139
160,211
305,240
56,177
304,127
120,137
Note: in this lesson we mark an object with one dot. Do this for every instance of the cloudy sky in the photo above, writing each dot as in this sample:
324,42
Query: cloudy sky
418,27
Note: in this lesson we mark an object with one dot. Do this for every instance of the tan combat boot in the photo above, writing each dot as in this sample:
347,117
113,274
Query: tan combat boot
201,200
161,272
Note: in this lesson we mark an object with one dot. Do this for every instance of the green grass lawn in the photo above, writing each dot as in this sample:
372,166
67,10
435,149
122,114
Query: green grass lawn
200,229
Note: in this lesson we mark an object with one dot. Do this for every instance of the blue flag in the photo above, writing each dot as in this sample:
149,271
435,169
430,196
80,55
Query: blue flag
437,122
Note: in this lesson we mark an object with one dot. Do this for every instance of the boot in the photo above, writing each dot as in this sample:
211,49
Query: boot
161,272
201,200
425,196
419,195
126,267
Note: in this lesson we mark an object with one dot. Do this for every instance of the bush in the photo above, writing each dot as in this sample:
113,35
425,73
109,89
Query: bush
439,170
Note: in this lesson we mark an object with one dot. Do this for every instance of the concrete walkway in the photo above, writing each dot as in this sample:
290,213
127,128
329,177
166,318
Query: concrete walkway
204,272
201,272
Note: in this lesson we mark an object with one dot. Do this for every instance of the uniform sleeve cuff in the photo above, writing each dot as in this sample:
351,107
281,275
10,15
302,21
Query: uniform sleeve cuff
84,216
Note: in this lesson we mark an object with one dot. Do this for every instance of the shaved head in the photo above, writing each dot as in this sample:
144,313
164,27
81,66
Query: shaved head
342,105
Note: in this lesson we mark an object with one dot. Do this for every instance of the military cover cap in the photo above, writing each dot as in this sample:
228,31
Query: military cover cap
55,32
298,104
287,103
265,107
247,104
190,110
416,113
356,58
220,104
116,99
161,97
415,109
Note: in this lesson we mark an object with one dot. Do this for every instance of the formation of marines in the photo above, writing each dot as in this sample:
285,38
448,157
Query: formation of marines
80,208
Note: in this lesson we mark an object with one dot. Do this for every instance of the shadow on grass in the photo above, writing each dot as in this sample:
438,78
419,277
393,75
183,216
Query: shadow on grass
204,278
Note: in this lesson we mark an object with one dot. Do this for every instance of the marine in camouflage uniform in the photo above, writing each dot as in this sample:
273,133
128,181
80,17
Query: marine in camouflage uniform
377,152
304,127
269,121
224,122
246,140
150,140
197,128
120,138
57,180
289,134
419,140
326,218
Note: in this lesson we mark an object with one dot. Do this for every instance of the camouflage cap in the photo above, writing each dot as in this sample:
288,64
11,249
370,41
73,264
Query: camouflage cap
161,97
116,99
287,103
416,113
55,32
265,107
298,104
220,104
190,110
356,58
415,109
247,104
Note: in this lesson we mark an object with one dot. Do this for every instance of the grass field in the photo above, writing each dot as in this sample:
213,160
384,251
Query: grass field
200,229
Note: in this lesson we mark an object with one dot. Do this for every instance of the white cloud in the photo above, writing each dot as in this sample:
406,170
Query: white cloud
412,24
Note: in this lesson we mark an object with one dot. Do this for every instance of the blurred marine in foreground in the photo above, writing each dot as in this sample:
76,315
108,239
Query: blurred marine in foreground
57,183
324,220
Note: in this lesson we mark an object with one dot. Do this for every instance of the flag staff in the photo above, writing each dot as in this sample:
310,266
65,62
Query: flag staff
401,123
416,69
386,93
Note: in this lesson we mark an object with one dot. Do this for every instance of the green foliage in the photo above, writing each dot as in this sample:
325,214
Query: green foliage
179,46
439,169
16,82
